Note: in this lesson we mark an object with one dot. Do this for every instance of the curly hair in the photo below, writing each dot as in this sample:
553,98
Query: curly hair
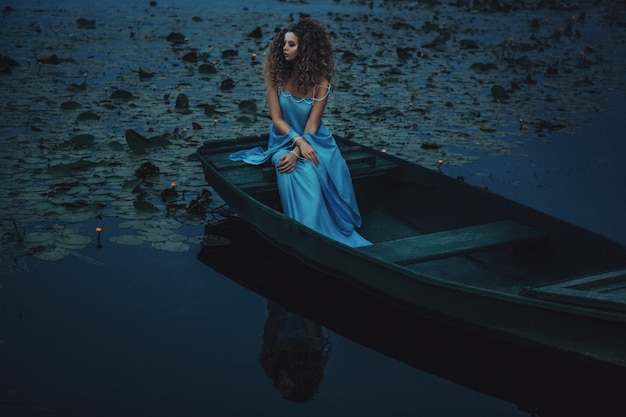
315,60
302,361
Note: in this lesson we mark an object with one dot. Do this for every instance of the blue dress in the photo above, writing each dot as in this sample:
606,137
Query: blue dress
320,197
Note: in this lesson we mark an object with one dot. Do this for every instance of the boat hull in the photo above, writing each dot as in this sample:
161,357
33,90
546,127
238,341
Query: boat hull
578,327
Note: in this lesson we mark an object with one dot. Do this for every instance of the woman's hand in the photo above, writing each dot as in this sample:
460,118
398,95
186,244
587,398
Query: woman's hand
307,151
287,163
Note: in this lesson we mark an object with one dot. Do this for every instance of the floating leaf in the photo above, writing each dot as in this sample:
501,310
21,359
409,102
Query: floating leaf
121,95
159,142
190,57
499,93
51,254
227,84
349,55
256,33
75,217
479,66
153,235
83,23
138,143
144,73
389,80
50,60
70,105
248,106
126,240
34,239
207,69
182,101
171,246
73,239
145,206
132,224
176,38
403,53
230,53
83,140
244,120
468,44
130,185
439,43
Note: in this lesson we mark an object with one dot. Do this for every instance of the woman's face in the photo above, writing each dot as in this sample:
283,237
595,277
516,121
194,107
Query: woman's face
290,47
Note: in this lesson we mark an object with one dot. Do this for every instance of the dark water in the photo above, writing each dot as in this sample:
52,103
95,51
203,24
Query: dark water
147,332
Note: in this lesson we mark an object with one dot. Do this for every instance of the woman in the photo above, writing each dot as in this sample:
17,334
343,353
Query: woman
313,179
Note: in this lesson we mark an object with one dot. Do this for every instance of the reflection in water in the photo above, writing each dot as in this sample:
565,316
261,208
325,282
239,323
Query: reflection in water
539,382
294,353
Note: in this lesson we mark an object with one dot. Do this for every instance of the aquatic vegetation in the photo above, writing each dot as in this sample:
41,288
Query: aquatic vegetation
100,118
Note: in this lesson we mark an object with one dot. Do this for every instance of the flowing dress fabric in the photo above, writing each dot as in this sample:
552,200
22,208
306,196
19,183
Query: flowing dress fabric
321,197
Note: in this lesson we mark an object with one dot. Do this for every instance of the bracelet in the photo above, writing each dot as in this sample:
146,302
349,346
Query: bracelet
297,156
297,138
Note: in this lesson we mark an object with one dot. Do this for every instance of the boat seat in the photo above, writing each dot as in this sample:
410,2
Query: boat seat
606,290
450,243
361,165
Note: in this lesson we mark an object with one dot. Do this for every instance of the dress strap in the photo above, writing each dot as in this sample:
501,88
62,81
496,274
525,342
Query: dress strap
310,100
327,87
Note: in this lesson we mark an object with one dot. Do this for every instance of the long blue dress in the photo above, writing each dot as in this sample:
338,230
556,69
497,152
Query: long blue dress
321,197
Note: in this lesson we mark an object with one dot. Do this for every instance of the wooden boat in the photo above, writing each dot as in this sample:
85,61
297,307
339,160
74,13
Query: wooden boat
450,251
542,382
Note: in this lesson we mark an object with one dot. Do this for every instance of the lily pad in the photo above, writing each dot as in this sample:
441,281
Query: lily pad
70,105
75,217
121,95
144,206
83,23
130,240
82,140
51,254
34,239
137,142
88,115
207,69
144,73
153,235
73,239
130,185
171,246
484,67
176,38
182,101
499,93
248,106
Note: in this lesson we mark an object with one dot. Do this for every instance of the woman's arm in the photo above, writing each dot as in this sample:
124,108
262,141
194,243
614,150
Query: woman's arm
319,105
277,116
288,161
313,122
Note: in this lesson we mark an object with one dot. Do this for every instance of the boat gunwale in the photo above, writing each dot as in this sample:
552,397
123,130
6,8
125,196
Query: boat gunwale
523,297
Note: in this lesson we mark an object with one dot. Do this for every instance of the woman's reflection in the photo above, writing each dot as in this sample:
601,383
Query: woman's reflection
294,353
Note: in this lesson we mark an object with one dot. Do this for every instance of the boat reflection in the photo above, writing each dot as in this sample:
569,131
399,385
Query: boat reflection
543,383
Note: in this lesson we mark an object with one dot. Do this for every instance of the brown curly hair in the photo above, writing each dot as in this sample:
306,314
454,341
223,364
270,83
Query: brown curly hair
315,60
302,361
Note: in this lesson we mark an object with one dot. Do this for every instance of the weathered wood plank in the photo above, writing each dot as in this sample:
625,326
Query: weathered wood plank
606,290
451,242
